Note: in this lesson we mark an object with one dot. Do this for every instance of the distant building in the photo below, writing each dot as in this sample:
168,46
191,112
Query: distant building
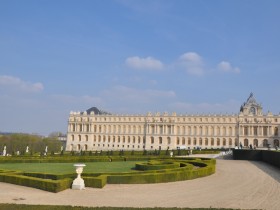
63,138
98,130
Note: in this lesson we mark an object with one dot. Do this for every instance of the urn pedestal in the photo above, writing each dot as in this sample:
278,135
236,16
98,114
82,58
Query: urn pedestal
78,183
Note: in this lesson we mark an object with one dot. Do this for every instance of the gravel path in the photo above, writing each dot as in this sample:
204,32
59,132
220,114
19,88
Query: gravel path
236,184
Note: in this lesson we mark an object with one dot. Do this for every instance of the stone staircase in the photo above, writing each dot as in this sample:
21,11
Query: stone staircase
224,155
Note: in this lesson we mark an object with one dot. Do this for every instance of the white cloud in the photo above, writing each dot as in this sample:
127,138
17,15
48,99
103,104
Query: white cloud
227,67
15,83
191,57
192,63
148,63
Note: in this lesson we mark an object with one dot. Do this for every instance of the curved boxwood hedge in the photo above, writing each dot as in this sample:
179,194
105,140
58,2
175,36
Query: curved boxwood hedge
156,165
151,171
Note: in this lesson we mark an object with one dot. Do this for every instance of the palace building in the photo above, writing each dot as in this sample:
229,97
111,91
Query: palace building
98,130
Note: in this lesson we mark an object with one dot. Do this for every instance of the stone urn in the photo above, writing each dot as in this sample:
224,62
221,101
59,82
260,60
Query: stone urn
78,183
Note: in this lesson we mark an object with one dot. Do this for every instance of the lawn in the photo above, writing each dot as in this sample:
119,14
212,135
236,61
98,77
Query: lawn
63,168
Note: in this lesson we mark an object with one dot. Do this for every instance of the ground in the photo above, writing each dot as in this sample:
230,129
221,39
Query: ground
236,184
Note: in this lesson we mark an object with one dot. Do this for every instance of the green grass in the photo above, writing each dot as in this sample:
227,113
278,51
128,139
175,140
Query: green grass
48,207
64,168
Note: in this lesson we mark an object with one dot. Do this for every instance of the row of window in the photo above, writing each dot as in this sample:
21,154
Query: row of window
157,129
211,143
256,131
167,119
151,119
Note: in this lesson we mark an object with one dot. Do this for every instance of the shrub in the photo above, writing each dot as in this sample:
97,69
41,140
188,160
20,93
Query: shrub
95,182
43,184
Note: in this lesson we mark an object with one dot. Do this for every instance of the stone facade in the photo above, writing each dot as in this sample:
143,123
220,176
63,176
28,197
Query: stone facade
97,130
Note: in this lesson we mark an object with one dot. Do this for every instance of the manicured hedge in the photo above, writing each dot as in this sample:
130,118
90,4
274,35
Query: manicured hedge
43,184
49,176
156,165
95,182
153,171
165,175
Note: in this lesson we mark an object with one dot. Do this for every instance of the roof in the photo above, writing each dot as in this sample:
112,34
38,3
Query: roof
97,111
250,101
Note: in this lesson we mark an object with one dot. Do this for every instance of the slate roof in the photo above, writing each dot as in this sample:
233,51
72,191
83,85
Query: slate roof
97,111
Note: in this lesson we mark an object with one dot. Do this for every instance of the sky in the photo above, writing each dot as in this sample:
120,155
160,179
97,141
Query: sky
134,57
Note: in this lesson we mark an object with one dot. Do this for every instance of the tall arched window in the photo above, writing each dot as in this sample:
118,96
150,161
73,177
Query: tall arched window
168,140
256,142
206,142
246,131
224,142
246,143
160,140
265,143
152,140
200,131
230,131
230,142
276,131
189,141
218,142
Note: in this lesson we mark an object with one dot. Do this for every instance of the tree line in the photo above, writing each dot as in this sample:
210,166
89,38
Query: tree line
36,144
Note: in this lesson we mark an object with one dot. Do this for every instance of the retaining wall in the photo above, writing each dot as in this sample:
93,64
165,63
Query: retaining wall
268,156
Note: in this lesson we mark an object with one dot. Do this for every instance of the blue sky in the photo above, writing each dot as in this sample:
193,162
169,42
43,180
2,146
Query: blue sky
133,57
